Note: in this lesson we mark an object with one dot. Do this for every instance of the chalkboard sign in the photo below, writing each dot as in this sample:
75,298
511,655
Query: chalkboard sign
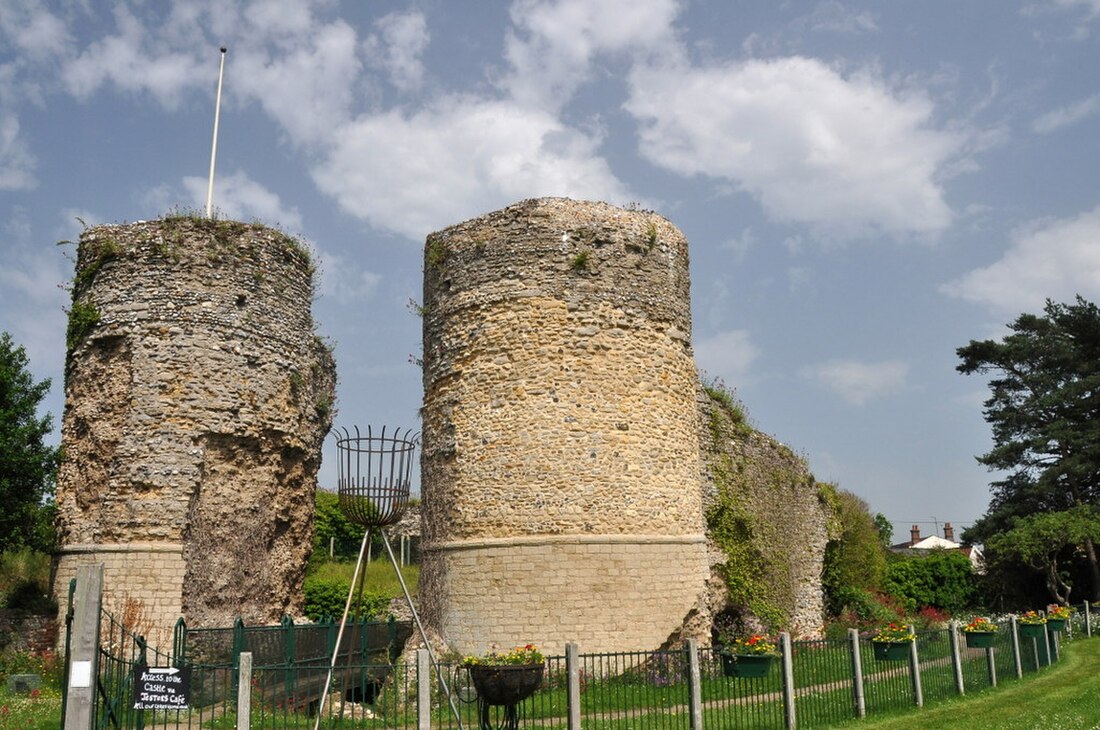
161,688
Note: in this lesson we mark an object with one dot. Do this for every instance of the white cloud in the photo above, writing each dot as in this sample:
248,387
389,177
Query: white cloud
33,29
1053,259
1067,115
16,161
858,382
413,174
1092,7
553,44
835,17
848,155
343,280
396,48
728,355
240,197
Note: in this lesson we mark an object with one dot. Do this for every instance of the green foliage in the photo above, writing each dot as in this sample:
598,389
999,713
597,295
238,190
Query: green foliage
1044,411
83,318
943,579
28,466
582,262
731,407
1046,542
651,235
326,597
436,255
855,560
329,522
25,581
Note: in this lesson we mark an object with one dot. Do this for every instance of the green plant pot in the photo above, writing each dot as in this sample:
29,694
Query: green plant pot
891,650
746,665
980,639
1033,631
1056,624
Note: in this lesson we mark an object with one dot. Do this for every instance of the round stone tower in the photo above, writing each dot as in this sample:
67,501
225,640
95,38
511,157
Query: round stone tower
560,462
196,399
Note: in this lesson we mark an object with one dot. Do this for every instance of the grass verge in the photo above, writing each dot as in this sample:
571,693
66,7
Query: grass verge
1064,696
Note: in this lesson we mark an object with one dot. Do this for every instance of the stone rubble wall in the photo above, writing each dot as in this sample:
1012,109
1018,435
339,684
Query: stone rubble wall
560,455
196,403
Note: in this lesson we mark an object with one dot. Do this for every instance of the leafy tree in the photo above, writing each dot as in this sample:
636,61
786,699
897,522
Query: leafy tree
1044,410
27,464
329,522
1046,542
943,579
885,529
855,561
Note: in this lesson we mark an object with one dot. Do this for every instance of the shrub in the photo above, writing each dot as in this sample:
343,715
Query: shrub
944,579
326,597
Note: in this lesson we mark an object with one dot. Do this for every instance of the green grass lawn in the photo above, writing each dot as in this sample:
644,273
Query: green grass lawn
1065,696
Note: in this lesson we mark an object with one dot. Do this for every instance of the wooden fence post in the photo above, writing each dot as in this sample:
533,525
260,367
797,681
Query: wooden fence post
914,670
84,648
573,688
788,681
695,689
857,674
244,691
423,690
956,657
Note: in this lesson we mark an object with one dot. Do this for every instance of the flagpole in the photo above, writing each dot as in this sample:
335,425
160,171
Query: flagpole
214,145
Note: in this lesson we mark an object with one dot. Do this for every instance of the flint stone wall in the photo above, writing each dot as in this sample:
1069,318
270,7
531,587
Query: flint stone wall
560,456
197,396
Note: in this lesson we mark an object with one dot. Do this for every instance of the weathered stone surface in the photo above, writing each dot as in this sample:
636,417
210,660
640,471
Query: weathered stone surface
560,450
196,403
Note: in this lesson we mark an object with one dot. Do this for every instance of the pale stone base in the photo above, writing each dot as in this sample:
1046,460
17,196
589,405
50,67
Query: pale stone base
605,592
143,584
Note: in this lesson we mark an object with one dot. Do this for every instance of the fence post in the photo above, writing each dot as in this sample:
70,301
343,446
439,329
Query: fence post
991,664
788,681
1016,658
914,670
573,686
956,657
244,691
695,686
84,649
1088,620
857,674
423,690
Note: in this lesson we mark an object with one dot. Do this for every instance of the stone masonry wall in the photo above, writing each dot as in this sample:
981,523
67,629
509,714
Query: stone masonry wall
560,453
197,398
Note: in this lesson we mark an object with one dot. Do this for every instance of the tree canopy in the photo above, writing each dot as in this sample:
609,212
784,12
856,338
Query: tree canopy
27,464
1044,410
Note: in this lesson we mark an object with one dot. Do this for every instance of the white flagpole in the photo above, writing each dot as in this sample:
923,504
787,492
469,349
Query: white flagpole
214,146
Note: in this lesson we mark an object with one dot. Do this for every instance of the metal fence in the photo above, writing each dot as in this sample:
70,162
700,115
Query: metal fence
812,684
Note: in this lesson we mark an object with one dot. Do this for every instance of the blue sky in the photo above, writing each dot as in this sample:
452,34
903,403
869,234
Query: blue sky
865,186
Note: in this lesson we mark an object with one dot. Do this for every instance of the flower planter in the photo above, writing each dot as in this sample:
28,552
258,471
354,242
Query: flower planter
891,650
1056,624
505,684
980,639
746,665
1032,631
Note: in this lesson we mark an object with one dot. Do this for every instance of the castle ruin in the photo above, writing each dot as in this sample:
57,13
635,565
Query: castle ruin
196,399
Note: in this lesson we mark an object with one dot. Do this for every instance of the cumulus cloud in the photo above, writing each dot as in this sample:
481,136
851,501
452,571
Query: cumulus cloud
552,45
397,46
846,154
16,161
858,382
32,28
240,197
414,173
727,354
1067,115
1053,259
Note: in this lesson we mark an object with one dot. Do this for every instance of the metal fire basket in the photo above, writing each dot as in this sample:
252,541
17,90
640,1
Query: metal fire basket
373,473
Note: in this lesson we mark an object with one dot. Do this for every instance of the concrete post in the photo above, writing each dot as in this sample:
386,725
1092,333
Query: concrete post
1088,620
991,664
244,691
788,681
956,657
573,688
695,687
857,674
423,690
914,671
84,648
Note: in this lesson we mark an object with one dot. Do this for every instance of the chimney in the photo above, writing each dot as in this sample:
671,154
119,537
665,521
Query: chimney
914,534
948,532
